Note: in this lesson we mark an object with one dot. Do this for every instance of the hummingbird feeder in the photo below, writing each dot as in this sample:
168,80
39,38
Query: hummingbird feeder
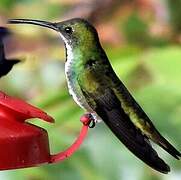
23,144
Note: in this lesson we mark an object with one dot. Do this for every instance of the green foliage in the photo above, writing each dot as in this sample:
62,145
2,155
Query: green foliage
175,14
6,4
136,30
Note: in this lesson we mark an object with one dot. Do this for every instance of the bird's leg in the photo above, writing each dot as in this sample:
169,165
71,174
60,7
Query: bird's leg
96,118
88,119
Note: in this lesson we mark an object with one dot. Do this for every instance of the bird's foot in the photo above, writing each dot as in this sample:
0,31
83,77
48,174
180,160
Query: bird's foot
88,119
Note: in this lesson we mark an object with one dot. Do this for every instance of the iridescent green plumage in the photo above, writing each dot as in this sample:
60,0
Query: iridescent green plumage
94,86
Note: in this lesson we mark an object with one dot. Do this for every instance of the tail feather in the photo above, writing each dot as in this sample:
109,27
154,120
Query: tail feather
162,142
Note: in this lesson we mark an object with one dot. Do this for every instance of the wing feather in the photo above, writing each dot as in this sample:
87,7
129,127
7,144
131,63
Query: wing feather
108,107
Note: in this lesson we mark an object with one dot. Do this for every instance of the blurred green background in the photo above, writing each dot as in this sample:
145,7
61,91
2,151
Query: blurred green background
142,39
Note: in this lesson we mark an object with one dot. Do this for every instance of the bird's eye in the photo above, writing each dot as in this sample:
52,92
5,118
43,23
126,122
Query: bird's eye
68,30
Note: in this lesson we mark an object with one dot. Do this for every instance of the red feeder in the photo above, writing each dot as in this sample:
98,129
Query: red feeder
23,144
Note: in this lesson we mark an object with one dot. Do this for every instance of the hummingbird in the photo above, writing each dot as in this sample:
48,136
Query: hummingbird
96,88
5,64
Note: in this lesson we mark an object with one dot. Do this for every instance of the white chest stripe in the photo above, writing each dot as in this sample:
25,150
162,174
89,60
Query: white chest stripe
77,96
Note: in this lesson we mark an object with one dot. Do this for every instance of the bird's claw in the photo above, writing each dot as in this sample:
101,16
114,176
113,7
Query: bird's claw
88,119
92,123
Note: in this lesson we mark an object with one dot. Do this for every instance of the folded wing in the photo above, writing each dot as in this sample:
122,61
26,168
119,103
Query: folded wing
108,107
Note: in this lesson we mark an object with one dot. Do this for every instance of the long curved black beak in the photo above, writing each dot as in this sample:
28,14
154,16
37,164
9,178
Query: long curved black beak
34,22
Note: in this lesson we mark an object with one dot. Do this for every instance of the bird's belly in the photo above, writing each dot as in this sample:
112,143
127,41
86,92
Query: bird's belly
76,93
79,98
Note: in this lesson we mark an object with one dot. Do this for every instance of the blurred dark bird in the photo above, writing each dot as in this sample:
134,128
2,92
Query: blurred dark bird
5,64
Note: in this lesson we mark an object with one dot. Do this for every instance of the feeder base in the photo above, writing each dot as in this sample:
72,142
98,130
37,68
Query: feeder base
22,145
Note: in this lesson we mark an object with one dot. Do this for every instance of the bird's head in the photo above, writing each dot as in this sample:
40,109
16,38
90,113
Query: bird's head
75,32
